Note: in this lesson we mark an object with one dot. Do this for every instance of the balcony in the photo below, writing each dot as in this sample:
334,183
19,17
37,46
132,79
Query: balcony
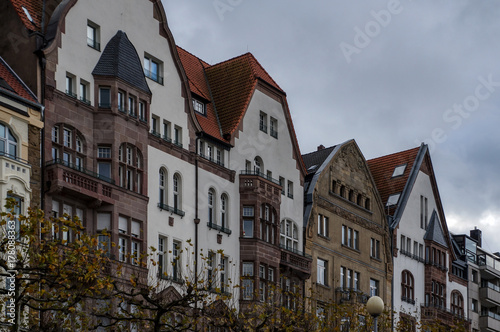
68,178
212,159
258,183
350,295
442,314
489,294
172,209
489,266
13,166
219,228
296,260
489,321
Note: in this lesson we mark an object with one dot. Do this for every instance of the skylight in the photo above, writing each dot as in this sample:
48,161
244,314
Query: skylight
393,199
312,167
27,14
399,170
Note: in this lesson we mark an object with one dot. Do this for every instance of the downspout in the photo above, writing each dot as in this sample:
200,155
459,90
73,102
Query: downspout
196,223
391,233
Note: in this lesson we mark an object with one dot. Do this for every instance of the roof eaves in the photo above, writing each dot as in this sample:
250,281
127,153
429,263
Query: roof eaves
26,88
405,195
308,197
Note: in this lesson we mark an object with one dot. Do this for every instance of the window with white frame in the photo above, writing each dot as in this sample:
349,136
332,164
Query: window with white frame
350,237
247,281
176,261
289,235
130,167
153,68
374,248
68,149
211,208
322,277
374,287
93,35
224,273
274,127
263,122
322,225
223,211
248,221
130,240
199,107
162,256
8,142
162,184
177,192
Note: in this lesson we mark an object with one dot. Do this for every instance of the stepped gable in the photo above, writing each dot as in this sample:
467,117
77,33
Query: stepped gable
120,59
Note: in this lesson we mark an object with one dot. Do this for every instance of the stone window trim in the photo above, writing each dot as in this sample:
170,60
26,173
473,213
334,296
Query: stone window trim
351,195
68,146
130,168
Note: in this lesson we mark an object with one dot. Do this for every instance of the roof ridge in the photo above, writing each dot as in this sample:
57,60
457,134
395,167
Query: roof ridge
197,57
333,146
265,71
395,153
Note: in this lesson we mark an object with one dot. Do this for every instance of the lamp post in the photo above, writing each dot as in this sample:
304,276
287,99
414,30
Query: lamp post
375,306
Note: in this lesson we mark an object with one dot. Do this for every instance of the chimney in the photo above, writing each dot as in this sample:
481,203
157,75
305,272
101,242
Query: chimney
321,147
476,234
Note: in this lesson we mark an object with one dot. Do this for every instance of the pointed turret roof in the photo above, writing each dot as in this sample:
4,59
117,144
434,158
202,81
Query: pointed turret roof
120,59
434,231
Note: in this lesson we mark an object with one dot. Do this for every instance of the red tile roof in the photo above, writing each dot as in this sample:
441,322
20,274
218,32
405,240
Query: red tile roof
34,8
194,68
11,83
382,169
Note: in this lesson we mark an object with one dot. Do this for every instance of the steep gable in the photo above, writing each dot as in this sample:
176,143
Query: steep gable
434,231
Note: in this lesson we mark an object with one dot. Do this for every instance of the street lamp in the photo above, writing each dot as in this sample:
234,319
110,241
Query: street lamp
375,306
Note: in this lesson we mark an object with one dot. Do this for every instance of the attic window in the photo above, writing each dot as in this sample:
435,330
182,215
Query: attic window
393,199
399,170
312,167
199,106
27,14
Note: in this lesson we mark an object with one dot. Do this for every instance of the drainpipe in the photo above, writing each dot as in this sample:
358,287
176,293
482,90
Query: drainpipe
391,234
196,223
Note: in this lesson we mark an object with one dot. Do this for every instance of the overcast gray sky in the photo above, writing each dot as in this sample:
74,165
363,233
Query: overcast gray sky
390,74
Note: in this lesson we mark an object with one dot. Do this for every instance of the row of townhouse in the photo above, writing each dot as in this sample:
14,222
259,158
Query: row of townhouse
145,140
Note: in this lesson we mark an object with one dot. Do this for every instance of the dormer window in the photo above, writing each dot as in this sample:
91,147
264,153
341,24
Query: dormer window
399,170
199,106
393,199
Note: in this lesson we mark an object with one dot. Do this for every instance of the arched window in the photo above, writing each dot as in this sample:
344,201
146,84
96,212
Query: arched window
177,191
211,205
289,236
457,303
407,287
162,183
223,211
67,146
130,167
258,165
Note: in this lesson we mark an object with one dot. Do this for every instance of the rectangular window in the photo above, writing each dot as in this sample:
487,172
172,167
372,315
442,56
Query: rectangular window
263,122
104,170
55,134
224,265
282,184
274,127
166,131
357,279
93,36
84,92
121,101
122,249
178,136
408,245
322,225
247,285
70,85
402,244
131,106
67,137
153,69
219,157
142,111
248,228
349,278
343,272
356,240
290,189
375,248
162,254
374,287
176,261
155,123
247,270
135,255
248,211
104,152
199,106
322,270
104,97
